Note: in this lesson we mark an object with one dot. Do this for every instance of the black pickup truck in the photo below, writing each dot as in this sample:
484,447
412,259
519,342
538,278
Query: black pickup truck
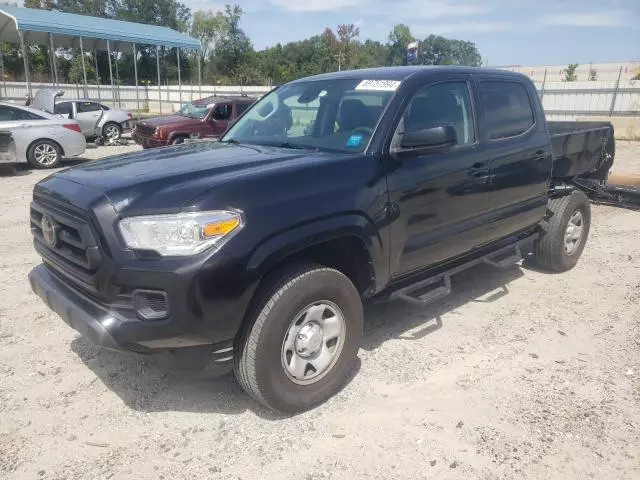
260,248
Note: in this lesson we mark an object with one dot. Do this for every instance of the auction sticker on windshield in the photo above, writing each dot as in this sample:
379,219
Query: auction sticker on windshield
379,85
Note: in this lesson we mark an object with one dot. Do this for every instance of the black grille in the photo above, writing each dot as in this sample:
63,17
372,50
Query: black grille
73,248
145,130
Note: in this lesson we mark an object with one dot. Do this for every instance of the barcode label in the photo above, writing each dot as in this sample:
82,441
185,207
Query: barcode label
379,85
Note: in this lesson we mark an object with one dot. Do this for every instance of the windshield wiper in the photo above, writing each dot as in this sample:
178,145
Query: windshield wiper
296,146
232,141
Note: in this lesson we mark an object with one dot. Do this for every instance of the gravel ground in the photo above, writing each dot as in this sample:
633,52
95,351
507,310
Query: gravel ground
518,374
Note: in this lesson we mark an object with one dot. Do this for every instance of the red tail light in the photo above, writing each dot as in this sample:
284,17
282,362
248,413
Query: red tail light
72,126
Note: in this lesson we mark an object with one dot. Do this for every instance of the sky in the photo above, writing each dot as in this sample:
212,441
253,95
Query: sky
516,32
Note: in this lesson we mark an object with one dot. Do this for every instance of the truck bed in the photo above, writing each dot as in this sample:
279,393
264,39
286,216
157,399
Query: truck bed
583,149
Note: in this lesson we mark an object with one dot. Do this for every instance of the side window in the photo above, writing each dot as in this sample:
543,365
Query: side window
507,109
441,105
88,107
222,111
63,108
6,114
241,108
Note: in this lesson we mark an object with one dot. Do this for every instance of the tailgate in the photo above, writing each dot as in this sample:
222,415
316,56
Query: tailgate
582,149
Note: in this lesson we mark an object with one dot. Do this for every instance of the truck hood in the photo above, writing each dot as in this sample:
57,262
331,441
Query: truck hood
165,180
171,120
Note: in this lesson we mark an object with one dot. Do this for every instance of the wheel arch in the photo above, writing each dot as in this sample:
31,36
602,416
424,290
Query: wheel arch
48,140
348,243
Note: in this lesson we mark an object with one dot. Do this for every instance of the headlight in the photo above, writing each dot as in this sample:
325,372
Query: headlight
180,234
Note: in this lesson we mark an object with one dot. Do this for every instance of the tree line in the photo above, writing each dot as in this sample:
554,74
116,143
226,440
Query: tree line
227,56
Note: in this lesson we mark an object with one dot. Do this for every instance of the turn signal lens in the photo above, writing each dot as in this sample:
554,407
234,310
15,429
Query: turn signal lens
220,228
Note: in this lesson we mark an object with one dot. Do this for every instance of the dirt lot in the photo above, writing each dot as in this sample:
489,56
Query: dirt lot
518,374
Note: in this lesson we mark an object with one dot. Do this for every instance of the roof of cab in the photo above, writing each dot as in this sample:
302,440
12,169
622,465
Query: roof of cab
402,73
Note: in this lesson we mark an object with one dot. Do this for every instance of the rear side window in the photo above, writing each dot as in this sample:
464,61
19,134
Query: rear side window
63,108
240,108
507,109
88,107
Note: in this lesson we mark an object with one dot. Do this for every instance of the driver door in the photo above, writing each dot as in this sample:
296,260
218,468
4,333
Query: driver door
441,194
87,115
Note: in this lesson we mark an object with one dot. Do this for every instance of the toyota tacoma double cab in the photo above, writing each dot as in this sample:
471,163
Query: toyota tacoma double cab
331,190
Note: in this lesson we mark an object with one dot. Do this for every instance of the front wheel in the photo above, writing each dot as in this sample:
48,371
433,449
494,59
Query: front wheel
566,231
302,345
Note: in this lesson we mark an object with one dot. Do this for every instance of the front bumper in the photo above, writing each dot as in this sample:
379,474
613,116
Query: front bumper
148,142
79,312
119,328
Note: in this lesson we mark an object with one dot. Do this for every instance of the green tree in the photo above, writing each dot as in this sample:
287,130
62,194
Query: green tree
570,73
399,38
437,50
209,28
234,46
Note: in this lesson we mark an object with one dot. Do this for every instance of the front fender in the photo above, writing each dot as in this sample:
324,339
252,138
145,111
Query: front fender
280,246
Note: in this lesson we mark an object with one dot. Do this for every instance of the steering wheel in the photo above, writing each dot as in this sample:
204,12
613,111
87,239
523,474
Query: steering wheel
365,130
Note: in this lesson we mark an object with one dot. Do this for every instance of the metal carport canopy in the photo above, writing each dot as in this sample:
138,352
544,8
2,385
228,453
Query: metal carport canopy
68,28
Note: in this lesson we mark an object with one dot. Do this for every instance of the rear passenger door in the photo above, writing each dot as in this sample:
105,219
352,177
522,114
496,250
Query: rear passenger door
88,114
514,136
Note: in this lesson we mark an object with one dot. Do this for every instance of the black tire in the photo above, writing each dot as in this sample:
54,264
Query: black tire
258,363
550,251
35,154
178,140
110,126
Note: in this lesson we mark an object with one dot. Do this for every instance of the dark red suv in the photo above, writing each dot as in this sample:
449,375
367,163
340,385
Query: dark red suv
205,118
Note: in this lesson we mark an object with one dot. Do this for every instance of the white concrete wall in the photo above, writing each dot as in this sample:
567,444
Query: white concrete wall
555,73
566,99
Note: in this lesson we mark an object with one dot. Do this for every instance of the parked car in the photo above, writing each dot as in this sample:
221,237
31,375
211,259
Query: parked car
40,138
260,248
95,119
205,118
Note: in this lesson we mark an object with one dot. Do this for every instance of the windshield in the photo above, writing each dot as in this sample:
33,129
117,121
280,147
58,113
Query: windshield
331,115
193,110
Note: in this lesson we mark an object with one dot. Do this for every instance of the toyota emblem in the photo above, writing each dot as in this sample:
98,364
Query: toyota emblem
49,232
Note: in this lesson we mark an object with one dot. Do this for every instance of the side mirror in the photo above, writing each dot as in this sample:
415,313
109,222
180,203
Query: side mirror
428,139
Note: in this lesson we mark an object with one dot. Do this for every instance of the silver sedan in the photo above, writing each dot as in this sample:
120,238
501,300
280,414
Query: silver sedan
40,138
95,119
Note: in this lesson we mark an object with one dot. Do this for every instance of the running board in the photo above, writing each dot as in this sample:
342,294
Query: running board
416,295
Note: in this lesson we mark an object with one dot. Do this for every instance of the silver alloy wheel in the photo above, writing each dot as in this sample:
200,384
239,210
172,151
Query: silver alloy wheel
313,342
112,132
573,233
45,154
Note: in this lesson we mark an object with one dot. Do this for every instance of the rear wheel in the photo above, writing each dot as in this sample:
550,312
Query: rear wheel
44,154
567,229
178,140
303,341
112,131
